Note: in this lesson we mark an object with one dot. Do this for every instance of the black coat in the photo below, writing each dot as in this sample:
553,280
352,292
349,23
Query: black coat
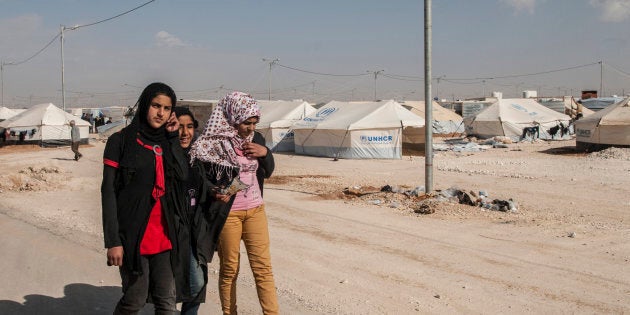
126,193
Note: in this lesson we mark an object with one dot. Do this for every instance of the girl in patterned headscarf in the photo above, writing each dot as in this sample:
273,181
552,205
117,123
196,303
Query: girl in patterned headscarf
220,138
230,147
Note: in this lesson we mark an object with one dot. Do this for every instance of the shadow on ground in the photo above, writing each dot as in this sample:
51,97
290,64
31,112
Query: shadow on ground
567,150
64,159
79,298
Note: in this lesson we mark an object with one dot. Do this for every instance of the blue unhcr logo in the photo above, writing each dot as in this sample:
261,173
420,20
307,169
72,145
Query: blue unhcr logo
377,139
322,114
287,135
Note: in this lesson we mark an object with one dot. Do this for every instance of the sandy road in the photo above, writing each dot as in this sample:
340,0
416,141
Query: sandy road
347,257
357,260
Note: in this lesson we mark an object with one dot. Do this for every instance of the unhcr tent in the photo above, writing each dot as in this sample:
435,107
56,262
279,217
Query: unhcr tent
276,118
518,118
369,130
6,113
445,122
605,128
45,124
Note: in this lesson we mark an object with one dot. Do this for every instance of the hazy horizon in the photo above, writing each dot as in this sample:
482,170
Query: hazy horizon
327,50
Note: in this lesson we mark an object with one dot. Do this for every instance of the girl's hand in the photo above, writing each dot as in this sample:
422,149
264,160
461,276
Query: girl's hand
222,198
172,124
254,150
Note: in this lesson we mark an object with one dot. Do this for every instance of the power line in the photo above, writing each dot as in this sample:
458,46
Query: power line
113,17
320,73
527,74
74,28
37,53
618,70
398,77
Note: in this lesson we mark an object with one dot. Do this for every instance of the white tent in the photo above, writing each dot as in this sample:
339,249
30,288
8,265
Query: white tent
445,122
46,124
276,118
6,113
518,118
607,127
368,130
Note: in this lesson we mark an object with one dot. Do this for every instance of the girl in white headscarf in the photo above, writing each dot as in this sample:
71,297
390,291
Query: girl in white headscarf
232,151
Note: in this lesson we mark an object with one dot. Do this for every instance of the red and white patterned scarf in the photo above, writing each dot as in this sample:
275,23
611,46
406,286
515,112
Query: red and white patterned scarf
219,138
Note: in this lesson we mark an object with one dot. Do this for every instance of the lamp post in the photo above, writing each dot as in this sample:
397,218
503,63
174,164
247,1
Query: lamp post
376,73
428,116
518,85
63,83
271,63
437,87
2,64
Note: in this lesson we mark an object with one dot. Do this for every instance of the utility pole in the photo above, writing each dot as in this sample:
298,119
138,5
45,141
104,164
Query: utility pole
2,79
2,64
63,82
428,111
376,73
271,63
601,79
437,88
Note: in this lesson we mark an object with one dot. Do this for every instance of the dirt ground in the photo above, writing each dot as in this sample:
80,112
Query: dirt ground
340,245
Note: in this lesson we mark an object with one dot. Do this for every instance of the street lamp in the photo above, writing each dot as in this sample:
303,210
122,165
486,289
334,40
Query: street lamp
518,85
376,73
271,63
2,64
437,87
63,83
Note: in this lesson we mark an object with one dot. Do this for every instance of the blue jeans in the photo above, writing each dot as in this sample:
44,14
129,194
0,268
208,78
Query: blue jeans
196,281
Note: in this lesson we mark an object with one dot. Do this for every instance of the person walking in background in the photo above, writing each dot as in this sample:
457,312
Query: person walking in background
142,162
75,138
236,158
201,220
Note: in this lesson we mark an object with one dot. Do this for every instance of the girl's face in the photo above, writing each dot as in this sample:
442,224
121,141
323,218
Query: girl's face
247,127
186,130
159,111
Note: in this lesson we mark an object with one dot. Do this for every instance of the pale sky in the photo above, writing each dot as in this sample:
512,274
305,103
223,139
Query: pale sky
327,49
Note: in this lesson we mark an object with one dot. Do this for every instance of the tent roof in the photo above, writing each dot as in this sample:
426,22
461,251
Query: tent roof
438,112
520,111
6,113
282,114
360,115
615,114
45,114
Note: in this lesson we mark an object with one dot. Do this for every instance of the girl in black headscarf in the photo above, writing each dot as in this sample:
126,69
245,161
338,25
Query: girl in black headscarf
142,163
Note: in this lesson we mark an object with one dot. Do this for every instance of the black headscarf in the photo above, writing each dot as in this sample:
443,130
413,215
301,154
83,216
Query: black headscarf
140,125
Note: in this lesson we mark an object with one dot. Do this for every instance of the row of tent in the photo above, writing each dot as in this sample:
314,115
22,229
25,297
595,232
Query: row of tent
371,129
44,124
382,129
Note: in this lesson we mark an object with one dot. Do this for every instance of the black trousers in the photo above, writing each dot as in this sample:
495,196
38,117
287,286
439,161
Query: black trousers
157,280
75,149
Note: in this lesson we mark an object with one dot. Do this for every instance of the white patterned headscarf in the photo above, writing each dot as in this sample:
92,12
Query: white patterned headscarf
219,138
